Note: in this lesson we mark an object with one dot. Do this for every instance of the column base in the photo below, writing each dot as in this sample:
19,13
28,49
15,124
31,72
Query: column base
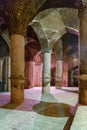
45,90
83,93
58,84
17,95
17,91
46,86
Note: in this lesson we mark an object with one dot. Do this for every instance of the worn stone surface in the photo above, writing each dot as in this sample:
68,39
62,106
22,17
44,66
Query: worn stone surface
80,122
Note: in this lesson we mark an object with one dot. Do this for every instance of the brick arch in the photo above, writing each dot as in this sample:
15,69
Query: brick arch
61,4
4,48
31,49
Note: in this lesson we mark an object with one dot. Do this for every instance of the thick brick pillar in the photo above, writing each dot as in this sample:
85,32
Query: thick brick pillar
17,68
30,74
65,75
59,68
58,49
83,56
19,16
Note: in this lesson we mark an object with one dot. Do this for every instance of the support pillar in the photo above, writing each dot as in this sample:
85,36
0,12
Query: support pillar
65,75
58,78
17,68
6,78
30,74
83,56
58,49
18,20
46,77
8,73
1,82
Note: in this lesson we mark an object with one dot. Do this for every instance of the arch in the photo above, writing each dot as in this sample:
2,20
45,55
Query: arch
70,45
61,4
5,61
37,55
38,58
72,31
4,48
31,48
5,36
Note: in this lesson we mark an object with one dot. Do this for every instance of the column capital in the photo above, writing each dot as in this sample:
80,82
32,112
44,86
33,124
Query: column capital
46,51
59,58
19,14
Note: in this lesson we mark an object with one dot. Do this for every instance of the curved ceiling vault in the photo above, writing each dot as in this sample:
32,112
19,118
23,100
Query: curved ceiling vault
57,19
56,22
52,26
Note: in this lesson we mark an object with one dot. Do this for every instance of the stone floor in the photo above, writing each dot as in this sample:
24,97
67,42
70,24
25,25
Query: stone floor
54,111
80,119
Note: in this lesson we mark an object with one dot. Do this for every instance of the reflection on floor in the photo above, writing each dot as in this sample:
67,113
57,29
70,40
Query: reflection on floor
54,111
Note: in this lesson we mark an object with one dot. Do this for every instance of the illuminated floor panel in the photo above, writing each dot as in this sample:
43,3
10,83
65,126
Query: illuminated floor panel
21,120
80,119
31,116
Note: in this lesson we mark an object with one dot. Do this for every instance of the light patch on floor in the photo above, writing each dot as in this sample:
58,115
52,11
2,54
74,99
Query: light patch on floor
80,119
60,96
22,120
25,118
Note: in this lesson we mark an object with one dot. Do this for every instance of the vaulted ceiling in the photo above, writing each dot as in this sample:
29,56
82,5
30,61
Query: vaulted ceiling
42,5
61,4
76,4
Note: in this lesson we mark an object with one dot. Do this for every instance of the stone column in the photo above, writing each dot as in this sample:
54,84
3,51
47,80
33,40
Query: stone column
31,73
8,73
46,76
4,74
17,68
65,75
58,77
41,68
18,16
58,49
83,56
1,82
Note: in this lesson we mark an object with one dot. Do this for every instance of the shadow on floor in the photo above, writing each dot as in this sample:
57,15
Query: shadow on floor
71,91
52,108
68,124
10,106
5,102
